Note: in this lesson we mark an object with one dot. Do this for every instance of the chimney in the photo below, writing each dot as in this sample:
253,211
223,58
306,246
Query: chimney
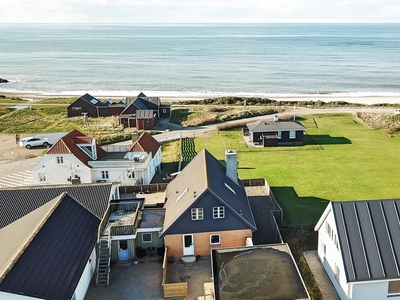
135,137
231,165
276,118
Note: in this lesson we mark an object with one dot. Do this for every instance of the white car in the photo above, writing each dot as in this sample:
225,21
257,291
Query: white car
397,112
34,141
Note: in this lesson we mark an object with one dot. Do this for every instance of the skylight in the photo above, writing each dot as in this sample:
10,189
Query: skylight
94,101
229,188
181,195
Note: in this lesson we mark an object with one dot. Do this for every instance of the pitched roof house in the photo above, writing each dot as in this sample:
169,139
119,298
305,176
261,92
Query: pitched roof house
93,107
77,157
206,207
143,112
359,246
49,253
275,133
18,202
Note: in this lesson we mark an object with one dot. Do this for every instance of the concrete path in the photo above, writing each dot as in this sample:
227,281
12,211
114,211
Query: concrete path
324,283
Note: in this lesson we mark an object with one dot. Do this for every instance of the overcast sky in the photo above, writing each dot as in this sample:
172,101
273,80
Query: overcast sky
198,11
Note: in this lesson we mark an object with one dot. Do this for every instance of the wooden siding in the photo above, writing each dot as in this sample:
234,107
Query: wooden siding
114,249
284,140
171,289
157,241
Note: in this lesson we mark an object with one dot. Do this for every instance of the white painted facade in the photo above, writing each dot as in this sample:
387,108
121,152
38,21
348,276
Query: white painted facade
329,253
81,288
135,168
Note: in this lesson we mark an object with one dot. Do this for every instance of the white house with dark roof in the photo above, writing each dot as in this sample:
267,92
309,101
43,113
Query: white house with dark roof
78,158
275,133
359,247
49,253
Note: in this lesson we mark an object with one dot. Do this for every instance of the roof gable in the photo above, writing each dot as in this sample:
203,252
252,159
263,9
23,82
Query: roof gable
146,143
92,100
369,237
205,174
18,202
68,145
51,266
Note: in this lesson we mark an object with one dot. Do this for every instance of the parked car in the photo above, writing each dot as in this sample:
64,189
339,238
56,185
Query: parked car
397,112
34,141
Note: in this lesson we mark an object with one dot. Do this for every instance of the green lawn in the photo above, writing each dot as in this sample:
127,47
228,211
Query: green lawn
343,160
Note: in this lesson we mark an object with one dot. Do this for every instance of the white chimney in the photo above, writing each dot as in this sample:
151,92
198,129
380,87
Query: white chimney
231,165
276,118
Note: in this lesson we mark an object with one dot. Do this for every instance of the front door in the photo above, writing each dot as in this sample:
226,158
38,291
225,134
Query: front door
123,251
188,244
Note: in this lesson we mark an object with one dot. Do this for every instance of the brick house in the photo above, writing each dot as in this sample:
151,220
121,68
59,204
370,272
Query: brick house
206,207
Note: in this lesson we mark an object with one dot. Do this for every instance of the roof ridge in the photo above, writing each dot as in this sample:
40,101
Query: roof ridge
27,242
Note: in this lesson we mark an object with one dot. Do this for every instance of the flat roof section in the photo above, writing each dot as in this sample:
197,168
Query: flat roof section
257,272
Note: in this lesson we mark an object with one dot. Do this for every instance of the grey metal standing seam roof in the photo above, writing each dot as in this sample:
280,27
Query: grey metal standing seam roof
17,202
369,237
50,263
205,173
267,125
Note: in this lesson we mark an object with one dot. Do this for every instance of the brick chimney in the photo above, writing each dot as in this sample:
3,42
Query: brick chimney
231,165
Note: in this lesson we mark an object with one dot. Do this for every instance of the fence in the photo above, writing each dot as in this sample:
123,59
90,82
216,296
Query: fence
172,289
143,188
116,148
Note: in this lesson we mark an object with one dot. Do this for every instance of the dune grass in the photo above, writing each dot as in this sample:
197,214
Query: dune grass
342,160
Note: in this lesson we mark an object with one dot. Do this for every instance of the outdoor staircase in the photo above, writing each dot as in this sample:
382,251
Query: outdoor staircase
103,262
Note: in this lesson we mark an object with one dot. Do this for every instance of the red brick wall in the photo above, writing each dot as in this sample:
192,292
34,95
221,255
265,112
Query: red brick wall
234,238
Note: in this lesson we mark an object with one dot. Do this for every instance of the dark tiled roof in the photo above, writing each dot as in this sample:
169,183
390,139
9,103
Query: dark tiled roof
266,125
67,145
146,143
142,95
206,174
52,264
17,202
369,237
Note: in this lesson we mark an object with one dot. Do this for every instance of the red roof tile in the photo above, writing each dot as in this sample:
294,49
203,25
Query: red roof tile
146,143
67,145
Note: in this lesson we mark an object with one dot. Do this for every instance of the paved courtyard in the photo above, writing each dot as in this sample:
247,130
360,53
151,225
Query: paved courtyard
143,281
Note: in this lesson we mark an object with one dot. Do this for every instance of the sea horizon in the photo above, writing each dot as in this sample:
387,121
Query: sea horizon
203,59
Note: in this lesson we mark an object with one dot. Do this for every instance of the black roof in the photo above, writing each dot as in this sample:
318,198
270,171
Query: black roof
53,262
92,100
369,238
17,202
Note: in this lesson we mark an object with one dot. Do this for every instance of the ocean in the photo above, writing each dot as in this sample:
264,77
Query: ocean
202,60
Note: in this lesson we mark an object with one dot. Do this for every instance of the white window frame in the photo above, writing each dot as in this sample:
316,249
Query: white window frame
219,212
219,239
151,237
292,134
279,135
197,213
337,272
60,160
164,111
104,175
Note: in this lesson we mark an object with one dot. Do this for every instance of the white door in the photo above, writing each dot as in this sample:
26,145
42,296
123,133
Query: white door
188,244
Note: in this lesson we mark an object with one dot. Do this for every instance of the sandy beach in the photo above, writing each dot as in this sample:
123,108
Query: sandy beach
368,100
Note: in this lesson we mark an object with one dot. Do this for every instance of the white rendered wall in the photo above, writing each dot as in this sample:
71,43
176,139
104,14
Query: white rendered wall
84,282
59,173
332,257
371,291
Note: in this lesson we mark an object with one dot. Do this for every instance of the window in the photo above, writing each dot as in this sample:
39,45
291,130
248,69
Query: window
394,287
324,247
60,160
42,177
329,230
215,239
197,213
292,134
337,272
123,245
279,135
218,212
164,111
104,174
147,238
76,108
